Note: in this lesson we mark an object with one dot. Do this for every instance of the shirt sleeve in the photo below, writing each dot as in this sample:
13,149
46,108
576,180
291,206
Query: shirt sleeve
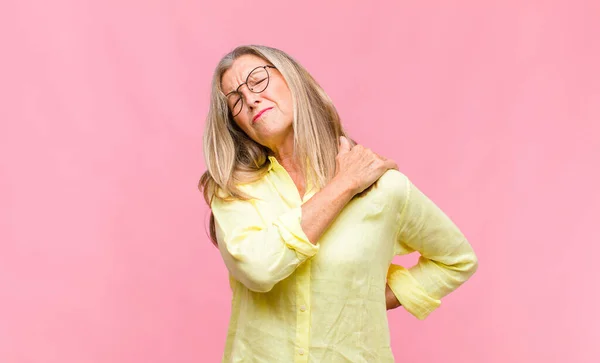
256,253
447,259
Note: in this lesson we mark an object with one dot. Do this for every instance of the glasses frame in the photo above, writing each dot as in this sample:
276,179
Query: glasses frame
237,90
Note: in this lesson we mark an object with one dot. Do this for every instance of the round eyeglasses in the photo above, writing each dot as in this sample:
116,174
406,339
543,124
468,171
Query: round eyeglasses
257,81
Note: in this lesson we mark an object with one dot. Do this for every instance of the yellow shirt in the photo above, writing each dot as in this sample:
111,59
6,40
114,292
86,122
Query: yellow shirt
298,302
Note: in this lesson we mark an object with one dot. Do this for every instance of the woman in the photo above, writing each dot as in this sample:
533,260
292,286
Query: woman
307,222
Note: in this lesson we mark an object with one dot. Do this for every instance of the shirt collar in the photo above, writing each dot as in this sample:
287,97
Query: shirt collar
273,162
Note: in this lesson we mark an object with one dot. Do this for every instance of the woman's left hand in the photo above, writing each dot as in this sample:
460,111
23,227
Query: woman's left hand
391,302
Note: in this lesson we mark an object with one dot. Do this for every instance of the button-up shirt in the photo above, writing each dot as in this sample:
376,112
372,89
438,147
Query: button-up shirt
295,301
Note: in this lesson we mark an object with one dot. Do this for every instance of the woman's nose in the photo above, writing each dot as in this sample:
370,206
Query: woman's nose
250,97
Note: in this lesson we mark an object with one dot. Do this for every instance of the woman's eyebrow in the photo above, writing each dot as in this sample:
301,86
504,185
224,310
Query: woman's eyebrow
245,80
236,89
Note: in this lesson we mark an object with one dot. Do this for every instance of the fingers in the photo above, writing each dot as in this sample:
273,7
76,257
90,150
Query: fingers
388,163
367,154
344,145
382,160
391,164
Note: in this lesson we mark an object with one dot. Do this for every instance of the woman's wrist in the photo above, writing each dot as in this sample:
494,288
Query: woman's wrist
391,301
343,187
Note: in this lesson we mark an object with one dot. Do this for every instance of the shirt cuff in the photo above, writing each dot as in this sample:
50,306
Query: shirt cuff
290,230
410,293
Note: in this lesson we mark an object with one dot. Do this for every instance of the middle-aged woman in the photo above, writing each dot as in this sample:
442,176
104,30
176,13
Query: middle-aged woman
307,222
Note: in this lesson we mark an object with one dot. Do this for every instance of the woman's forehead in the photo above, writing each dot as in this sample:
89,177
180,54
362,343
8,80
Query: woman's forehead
239,70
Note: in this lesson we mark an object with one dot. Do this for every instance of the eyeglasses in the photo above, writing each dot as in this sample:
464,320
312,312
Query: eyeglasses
257,81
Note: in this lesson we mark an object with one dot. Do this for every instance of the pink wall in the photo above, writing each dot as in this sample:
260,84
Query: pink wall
492,109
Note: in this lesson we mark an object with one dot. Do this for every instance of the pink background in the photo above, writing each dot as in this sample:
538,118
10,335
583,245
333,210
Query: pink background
492,109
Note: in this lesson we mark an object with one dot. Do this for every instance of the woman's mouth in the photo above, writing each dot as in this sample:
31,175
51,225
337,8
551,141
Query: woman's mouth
260,114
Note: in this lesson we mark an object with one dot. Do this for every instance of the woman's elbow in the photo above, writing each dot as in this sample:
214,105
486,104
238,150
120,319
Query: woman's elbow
472,265
257,279
254,272
466,265
259,286
469,265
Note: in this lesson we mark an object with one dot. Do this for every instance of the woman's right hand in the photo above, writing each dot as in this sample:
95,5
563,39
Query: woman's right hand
359,166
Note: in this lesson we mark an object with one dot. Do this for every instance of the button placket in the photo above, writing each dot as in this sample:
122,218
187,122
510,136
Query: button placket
302,312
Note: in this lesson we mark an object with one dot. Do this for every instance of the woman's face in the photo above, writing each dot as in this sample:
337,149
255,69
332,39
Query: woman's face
266,117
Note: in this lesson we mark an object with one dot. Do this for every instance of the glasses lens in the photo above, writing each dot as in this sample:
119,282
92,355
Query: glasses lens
235,103
258,80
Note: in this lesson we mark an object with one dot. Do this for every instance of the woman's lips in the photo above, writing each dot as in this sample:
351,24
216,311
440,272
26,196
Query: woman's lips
260,113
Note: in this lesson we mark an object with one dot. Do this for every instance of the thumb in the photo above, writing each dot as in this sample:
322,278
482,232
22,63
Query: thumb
344,145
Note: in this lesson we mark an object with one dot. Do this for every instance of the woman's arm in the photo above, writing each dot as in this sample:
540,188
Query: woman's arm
447,259
356,169
259,256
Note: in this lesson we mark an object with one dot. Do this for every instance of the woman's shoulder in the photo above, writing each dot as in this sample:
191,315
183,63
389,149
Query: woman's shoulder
394,182
395,178
246,191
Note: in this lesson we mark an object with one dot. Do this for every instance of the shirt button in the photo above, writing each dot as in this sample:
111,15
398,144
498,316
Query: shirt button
302,308
301,351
